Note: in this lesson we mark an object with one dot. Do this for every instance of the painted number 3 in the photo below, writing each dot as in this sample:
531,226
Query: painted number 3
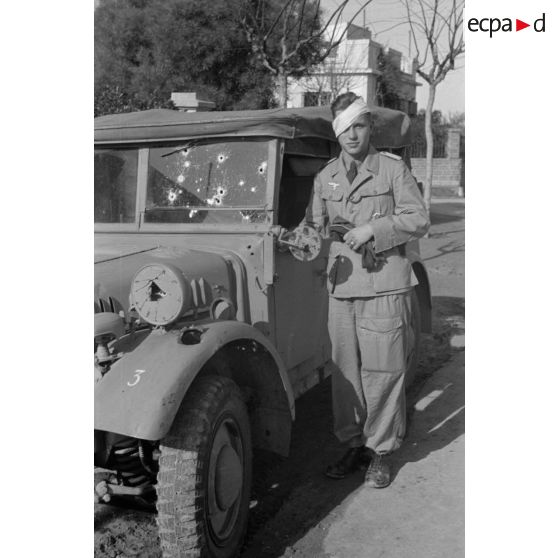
137,378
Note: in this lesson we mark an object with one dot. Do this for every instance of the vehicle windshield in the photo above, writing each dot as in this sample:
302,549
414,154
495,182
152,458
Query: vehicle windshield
212,182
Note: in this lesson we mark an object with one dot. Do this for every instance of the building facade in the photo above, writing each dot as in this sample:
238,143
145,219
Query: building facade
358,65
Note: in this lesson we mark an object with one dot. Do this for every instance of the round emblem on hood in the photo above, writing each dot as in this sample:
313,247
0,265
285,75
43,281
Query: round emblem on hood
160,293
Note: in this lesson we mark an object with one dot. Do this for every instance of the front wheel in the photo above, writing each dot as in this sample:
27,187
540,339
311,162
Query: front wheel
205,468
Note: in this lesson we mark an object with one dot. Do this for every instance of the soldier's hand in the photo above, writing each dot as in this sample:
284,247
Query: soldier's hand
358,236
287,234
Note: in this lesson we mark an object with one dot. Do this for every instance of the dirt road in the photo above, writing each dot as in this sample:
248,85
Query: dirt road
295,509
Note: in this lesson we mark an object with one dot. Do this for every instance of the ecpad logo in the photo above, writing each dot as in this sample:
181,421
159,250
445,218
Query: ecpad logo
495,24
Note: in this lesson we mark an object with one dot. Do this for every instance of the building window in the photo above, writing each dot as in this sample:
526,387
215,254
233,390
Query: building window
315,99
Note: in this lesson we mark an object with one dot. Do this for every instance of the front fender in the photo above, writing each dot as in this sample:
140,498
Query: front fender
142,392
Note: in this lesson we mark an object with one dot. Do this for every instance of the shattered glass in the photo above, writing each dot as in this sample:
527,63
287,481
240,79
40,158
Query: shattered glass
217,182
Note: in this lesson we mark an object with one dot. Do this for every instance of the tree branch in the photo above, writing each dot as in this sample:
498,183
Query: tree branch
301,19
275,21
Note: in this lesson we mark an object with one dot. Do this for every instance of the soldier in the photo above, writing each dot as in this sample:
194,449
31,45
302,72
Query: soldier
370,202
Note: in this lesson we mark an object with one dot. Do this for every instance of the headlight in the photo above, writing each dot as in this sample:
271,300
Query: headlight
160,294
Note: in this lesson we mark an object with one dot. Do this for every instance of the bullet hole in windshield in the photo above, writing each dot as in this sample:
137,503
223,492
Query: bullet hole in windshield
220,175
262,168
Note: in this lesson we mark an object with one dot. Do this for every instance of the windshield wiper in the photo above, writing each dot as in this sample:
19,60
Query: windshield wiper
181,148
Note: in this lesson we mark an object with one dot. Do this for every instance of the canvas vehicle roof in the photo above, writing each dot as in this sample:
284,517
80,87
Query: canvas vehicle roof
391,127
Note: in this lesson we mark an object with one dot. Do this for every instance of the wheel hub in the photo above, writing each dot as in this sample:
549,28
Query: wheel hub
228,477
225,480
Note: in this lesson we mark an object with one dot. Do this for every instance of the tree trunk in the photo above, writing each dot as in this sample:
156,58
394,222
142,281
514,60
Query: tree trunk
282,92
429,145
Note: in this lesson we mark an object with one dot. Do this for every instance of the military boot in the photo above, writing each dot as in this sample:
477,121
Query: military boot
378,474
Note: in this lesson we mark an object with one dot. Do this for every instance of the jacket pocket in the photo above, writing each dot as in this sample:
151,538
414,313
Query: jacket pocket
369,190
331,193
395,274
382,344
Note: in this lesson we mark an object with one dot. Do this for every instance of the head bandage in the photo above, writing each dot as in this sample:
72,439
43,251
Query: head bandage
343,120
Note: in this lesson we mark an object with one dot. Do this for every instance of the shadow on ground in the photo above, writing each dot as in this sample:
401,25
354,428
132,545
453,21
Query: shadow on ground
436,419
452,247
292,496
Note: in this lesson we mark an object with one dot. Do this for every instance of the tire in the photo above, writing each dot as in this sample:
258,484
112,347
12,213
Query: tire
414,334
205,470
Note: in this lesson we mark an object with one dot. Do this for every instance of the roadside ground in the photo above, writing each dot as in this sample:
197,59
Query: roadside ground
421,515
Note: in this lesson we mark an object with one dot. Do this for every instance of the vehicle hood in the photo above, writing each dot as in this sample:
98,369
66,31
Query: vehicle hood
117,260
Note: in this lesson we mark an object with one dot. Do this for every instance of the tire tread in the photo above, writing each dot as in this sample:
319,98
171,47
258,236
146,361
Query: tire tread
180,493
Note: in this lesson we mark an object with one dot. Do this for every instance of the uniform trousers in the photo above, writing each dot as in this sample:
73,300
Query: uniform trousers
370,340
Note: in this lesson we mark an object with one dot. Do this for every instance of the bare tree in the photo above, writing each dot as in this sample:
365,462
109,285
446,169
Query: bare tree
437,31
332,77
290,40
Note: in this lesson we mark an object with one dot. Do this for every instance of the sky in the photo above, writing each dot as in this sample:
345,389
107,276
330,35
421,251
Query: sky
382,18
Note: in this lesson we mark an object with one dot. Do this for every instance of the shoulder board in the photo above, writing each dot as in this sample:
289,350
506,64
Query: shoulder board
390,155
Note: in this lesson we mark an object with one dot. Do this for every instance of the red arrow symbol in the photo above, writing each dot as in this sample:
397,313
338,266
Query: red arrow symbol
519,25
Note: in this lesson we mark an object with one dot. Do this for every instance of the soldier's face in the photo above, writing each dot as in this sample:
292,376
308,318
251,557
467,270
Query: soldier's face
355,139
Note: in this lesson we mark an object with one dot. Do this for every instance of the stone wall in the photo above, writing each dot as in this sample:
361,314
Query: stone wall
448,177
446,173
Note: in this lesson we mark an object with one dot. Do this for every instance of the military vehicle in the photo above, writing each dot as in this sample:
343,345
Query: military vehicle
209,321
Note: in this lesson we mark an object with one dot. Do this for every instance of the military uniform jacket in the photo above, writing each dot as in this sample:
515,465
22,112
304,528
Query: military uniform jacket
383,193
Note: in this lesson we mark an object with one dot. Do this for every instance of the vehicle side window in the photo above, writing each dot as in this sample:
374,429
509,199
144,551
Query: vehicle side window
116,177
